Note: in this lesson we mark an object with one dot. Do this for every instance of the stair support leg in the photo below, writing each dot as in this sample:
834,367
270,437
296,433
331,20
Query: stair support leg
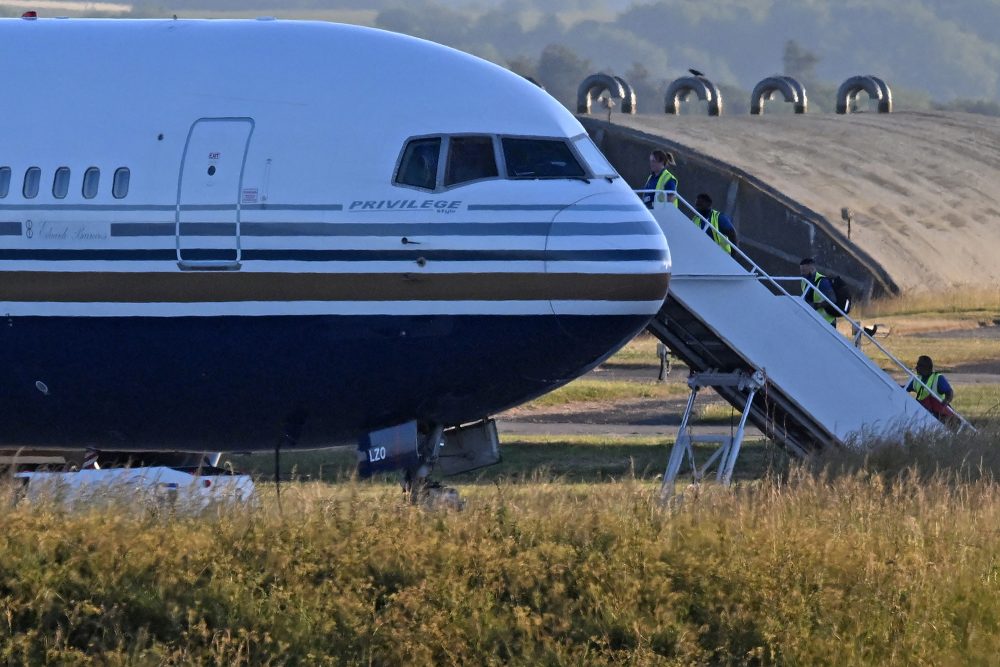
681,445
726,470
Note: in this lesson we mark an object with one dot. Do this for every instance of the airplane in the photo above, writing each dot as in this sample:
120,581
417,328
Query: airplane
235,235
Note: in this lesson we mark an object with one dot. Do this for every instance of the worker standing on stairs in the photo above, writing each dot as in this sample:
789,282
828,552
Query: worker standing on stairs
720,227
815,284
660,178
938,399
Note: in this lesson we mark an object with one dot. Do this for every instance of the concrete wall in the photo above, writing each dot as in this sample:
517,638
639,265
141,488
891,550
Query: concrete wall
775,231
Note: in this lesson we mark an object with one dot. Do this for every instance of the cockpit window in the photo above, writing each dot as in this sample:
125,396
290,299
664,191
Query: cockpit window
4,181
540,158
470,159
592,155
419,165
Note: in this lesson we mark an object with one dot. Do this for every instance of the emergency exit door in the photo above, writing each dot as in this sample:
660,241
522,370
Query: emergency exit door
208,194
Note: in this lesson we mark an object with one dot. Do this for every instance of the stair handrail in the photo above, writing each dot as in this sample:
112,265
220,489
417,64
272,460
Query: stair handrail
761,274
856,326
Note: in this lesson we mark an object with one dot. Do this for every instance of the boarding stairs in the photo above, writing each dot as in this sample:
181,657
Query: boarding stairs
728,320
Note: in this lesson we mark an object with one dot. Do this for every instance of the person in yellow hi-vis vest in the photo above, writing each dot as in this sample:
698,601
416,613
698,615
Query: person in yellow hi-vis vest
815,283
938,399
719,227
660,178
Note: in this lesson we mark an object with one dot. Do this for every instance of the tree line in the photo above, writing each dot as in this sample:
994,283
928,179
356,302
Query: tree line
934,53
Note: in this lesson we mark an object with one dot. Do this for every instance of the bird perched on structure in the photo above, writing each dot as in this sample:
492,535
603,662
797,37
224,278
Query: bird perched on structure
696,72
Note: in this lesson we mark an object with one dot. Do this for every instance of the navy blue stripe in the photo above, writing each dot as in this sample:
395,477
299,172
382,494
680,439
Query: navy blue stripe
555,207
170,207
10,228
517,207
390,229
75,255
340,255
208,254
455,255
292,207
634,228
267,229
311,362
143,229
448,229
208,229
208,207
87,207
607,207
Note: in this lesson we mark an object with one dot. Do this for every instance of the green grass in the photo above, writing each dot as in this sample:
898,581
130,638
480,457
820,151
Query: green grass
567,459
640,351
587,390
947,352
978,400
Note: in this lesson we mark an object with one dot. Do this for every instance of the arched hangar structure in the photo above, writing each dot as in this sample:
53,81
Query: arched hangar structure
876,88
792,90
681,89
629,103
595,84
886,92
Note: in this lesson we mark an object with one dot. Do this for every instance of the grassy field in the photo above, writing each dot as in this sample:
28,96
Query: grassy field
967,302
860,567
585,459
587,389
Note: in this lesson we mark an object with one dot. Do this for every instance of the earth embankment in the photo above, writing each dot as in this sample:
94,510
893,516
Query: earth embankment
924,188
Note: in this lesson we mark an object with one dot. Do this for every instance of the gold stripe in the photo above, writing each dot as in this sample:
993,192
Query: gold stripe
74,287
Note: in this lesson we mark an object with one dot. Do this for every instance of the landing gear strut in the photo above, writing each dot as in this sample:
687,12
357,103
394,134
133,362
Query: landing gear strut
416,482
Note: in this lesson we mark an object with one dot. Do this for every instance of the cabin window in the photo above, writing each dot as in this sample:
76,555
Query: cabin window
592,155
91,181
4,181
540,158
119,187
32,180
470,159
60,183
420,163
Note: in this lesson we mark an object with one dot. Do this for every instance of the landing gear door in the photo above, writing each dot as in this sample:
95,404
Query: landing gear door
208,194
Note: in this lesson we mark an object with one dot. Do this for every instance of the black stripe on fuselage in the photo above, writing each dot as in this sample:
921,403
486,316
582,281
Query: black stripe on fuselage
271,229
55,255
556,207
171,207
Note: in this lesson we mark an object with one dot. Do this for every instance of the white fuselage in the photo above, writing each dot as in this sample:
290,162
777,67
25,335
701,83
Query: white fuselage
266,263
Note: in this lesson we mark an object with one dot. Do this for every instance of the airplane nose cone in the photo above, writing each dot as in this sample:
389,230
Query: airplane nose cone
609,265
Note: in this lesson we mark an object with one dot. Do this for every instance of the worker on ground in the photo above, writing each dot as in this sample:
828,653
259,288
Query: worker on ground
938,399
664,354
815,284
660,178
719,226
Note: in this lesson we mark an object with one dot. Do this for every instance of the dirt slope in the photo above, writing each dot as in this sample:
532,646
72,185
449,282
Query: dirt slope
924,187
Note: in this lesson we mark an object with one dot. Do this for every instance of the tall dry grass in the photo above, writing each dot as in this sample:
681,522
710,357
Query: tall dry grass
956,299
856,563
